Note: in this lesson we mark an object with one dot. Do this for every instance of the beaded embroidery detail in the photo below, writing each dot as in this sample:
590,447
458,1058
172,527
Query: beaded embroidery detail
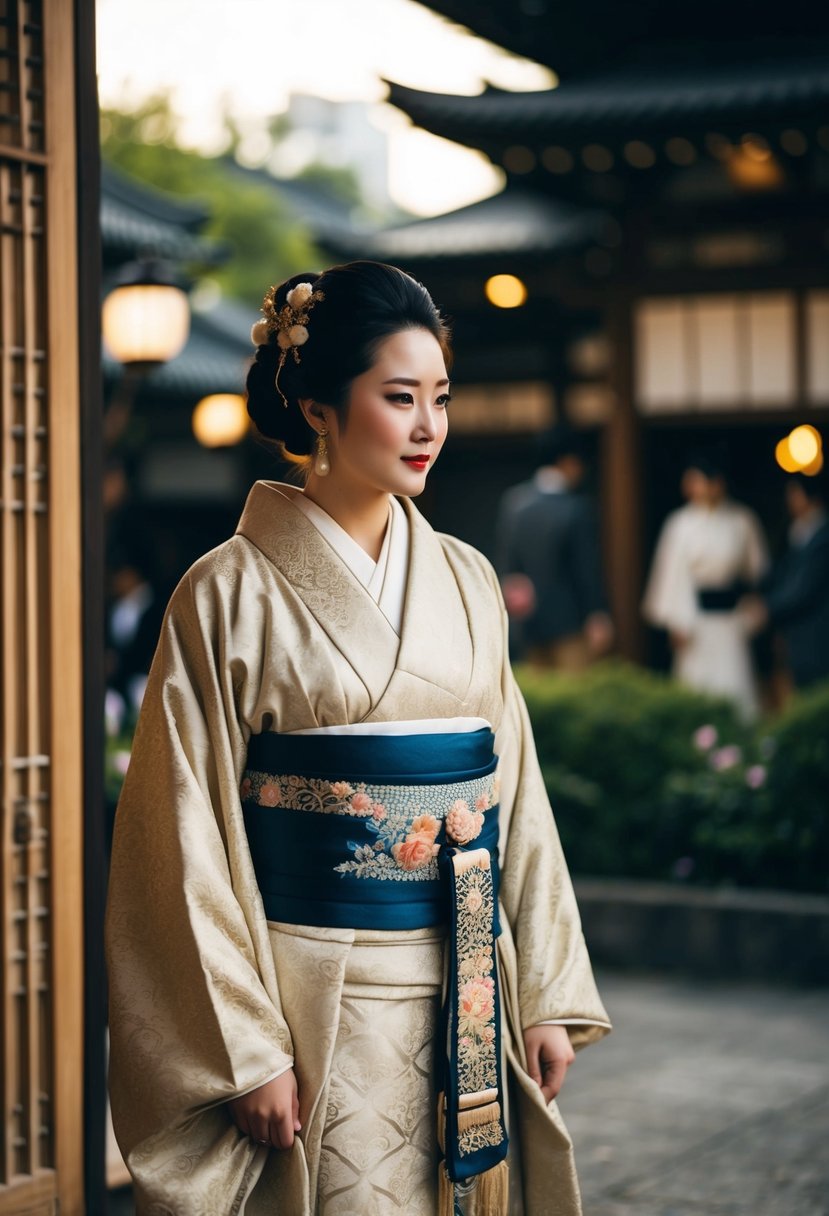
477,1047
404,820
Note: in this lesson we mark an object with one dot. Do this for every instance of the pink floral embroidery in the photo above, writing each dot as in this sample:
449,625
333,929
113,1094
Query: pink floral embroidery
378,811
482,802
462,825
269,795
426,826
361,803
477,1005
414,852
341,789
245,789
474,900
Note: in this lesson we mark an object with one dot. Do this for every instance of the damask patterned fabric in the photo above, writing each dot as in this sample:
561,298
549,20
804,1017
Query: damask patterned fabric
271,632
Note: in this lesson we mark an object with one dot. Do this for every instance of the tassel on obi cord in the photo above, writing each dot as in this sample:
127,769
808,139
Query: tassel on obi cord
472,1136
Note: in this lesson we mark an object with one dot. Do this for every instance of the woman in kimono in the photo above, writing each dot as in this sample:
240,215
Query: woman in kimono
709,553
346,968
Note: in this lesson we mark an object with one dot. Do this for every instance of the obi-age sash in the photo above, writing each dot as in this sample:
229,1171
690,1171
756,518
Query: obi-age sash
398,832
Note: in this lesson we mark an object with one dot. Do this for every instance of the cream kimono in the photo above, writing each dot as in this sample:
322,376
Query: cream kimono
273,631
708,547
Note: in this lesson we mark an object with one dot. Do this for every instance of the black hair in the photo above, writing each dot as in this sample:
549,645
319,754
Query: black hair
813,487
713,461
364,303
560,441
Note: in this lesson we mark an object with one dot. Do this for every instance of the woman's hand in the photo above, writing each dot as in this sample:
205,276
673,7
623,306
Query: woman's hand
549,1055
269,1114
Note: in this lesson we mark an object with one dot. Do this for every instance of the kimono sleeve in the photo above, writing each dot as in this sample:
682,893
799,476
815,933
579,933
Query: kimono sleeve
670,597
554,978
194,1008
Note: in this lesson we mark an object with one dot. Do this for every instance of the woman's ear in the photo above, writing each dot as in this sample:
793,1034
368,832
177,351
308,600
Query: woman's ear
312,413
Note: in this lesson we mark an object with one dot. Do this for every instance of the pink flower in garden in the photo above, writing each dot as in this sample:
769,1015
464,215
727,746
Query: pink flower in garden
269,795
756,776
378,811
683,867
341,789
705,738
725,758
361,803
121,762
415,852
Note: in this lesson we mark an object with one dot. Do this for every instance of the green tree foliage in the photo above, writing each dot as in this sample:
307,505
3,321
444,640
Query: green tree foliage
265,241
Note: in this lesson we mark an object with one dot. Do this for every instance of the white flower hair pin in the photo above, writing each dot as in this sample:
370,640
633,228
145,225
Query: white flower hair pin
289,323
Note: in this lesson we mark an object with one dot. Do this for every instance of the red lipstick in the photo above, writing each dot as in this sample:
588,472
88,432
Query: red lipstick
417,462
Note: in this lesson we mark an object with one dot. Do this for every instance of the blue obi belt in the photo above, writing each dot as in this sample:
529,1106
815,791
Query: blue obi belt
397,832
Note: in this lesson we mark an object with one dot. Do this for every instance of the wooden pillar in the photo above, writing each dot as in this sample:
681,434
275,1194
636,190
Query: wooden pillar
621,483
41,742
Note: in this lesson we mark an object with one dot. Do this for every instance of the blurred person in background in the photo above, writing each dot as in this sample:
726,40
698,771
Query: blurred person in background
548,556
794,600
133,621
709,553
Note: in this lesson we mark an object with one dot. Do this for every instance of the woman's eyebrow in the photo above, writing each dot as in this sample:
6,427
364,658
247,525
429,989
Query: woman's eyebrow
413,383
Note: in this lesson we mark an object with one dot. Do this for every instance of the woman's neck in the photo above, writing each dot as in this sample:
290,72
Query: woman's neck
364,516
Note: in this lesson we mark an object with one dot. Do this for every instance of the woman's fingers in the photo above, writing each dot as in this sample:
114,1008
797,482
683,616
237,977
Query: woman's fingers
282,1129
549,1055
269,1114
553,1073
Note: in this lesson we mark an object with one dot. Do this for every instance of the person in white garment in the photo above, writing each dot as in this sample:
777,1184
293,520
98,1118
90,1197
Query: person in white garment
709,553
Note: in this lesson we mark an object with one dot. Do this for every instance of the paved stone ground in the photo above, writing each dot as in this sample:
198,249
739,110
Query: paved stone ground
707,1100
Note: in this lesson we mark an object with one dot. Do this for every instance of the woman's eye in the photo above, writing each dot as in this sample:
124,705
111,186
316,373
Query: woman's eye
400,398
444,399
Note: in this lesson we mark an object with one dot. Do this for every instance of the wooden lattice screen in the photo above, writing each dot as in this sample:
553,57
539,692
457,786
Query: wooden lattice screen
41,929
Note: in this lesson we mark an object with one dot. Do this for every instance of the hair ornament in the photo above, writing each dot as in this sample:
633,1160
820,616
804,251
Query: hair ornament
289,323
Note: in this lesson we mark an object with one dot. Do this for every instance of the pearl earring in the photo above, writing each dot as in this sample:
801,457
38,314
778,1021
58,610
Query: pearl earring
322,465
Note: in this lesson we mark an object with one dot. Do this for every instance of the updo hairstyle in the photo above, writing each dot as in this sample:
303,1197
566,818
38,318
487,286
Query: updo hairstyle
365,303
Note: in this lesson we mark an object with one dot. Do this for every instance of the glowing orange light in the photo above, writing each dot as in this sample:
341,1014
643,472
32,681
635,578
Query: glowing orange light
804,445
784,457
505,291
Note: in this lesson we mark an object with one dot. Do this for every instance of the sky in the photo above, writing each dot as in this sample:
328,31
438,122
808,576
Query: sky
249,55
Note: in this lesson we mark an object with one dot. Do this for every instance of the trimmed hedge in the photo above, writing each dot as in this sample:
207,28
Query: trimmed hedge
651,780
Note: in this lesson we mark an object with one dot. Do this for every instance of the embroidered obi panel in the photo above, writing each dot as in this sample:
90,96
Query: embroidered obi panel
397,832
346,831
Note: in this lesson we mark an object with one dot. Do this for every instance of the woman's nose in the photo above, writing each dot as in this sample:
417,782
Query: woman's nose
425,427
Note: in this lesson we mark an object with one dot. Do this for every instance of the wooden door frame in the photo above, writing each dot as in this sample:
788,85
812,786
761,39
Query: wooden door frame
92,530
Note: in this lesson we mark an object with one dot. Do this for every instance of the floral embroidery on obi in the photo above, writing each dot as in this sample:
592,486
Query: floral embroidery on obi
477,1043
400,823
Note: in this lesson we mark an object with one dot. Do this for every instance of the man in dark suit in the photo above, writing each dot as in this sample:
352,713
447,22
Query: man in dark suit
548,557
795,600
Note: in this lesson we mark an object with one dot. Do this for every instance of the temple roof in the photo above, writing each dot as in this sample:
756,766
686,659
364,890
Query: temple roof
514,222
628,103
330,220
137,219
594,35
